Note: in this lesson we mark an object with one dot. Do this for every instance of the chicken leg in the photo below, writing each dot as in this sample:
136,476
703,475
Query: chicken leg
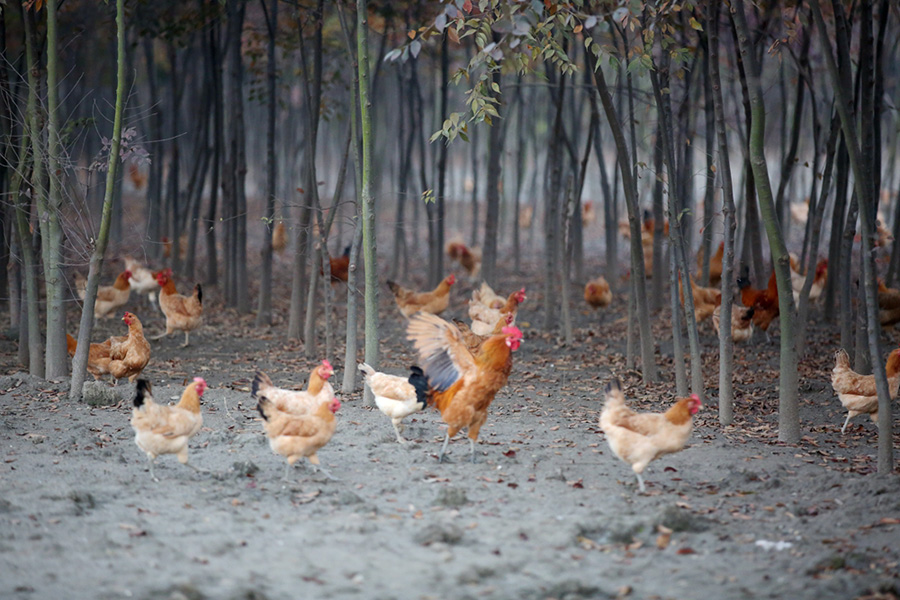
641,483
398,427
444,447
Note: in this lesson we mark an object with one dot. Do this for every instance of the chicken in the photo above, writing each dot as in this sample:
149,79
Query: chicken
164,429
434,302
461,385
279,237
741,322
138,179
798,279
298,436
469,258
715,265
857,392
98,356
183,313
340,266
110,298
397,397
639,438
597,293
485,319
472,340
487,296
888,305
800,211
182,246
296,402
143,280
705,299
526,215
588,214
764,302
128,356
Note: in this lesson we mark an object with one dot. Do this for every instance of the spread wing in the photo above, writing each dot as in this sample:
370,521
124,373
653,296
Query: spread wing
443,353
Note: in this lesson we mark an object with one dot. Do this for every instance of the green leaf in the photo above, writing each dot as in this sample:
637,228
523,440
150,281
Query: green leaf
696,24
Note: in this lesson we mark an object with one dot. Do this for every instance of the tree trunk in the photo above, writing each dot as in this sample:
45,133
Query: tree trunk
496,138
788,411
264,310
80,361
218,141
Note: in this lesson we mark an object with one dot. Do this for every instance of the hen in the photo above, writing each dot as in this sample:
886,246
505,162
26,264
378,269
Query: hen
469,258
397,397
279,237
485,319
639,438
109,297
183,313
461,385
162,429
798,279
98,356
706,299
741,322
143,280
597,293
318,390
434,302
129,355
298,436
715,265
857,392
888,304
764,302
340,266
487,296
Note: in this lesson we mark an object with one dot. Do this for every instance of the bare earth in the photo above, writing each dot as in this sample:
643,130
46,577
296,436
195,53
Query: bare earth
546,512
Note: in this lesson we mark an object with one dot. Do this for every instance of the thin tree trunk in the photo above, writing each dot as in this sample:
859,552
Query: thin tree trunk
264,310
80,361
496,138
788,411
218,141
709,197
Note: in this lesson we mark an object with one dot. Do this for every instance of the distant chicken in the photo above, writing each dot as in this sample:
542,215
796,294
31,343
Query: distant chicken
798,279
143,280
526,216
764,302
715,265
857,392
639,438
468,258
588,214
110,298
472,340
164,429
128,356
298,436
296,402
706,300
461,385
340,266
485,319
741,322
597,292
397,397
279,237
183,313
98,356
434,302
888,305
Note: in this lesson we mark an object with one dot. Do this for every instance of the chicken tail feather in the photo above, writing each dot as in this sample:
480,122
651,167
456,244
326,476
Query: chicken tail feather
143,393
417,380
264,406
199,291
614,392
841,359
366,369
260,384
394,287
71,344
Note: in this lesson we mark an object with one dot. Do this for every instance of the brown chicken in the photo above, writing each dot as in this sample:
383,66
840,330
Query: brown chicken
128,356
434,302
741,322
163,429
397,397
298,436
469,258
98,356
857,392
279,237
588,214
888,305
340,266
183,313
109,297
705,299
798,279
597,293
472,340
764,302
461,385
639,438
297,402
485,319
715,265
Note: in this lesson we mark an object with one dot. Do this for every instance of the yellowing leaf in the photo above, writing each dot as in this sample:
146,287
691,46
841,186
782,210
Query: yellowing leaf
695,24
578,28
411,34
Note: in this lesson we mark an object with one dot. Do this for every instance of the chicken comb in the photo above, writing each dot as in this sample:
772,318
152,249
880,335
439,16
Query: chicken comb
327,364
512,330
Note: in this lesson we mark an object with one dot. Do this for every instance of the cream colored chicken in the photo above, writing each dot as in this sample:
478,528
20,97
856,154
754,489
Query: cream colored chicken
297,402
397,397
857,392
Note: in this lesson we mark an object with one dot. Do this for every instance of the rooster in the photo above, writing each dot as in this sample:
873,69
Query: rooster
461,385
764,302
434,302
163,429
397,397
857,392
639,438
340,266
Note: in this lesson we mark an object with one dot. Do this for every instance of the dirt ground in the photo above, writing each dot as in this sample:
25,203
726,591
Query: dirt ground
546,512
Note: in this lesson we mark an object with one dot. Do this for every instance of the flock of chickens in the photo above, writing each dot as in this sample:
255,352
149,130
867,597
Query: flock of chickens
462,365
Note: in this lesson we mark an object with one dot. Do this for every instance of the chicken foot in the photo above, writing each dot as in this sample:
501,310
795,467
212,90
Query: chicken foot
447,441
398,427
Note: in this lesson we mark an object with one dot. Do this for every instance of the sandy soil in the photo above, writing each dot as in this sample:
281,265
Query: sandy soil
546,512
